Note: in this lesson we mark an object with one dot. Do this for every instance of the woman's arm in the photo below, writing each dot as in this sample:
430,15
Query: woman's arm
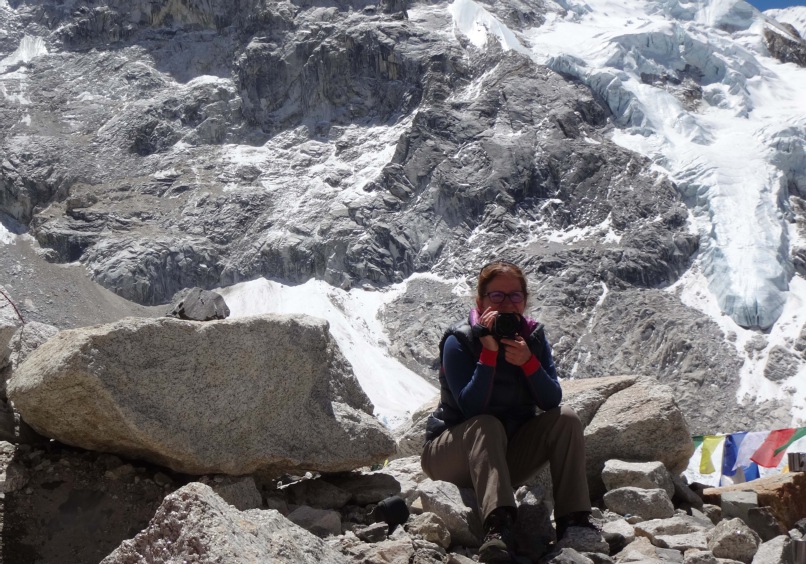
541,375
470,382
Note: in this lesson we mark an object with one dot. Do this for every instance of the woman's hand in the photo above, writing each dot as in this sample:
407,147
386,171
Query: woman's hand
516,351
488,319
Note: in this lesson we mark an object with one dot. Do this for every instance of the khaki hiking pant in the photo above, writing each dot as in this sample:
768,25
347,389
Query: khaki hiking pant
476,454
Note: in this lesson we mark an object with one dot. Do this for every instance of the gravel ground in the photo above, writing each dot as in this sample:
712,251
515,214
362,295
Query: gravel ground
60,294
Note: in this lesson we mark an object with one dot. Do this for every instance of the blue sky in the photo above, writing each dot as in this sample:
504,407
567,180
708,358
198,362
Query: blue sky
769,4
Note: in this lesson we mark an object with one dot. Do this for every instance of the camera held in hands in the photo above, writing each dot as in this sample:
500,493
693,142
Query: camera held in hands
505,326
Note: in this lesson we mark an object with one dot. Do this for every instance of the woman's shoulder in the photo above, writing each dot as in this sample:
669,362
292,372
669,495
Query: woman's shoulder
458,336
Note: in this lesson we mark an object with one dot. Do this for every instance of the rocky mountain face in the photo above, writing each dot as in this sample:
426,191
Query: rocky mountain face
164,145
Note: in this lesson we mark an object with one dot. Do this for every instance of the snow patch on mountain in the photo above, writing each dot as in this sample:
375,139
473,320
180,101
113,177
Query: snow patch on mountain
794,15
394,390
13,73
6,236
476,23
351,163
30,47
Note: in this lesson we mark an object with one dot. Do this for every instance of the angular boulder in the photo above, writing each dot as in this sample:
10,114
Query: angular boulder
268,394
457,507
641,423
648,504
411,437
775,551
193,524
618,474
734,540
198,304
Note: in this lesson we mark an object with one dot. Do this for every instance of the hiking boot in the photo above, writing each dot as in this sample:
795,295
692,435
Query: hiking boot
499,540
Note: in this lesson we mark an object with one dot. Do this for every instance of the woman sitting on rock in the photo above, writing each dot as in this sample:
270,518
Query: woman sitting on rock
488,433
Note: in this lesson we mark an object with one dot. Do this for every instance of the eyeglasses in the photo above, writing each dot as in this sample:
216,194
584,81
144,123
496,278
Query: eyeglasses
499,297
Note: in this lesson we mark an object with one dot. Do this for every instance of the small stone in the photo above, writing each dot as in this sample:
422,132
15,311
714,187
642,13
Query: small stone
621,527
320,522
713,512
737,503
763,522
431,528
373,533
239,491
683,542
583,539
568,556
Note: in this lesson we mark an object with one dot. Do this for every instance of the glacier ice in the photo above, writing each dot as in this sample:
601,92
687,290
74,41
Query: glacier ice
734,147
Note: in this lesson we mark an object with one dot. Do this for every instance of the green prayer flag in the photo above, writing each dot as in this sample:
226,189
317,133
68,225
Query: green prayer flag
799,433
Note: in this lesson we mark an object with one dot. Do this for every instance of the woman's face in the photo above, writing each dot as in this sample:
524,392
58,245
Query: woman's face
507,284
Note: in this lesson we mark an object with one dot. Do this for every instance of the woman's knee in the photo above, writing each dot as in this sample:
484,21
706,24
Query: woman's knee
487,425
569,419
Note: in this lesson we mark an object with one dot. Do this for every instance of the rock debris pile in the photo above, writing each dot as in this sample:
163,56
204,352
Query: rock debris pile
161,469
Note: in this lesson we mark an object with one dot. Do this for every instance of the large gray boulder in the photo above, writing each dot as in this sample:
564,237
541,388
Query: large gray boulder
194,524
267,394
641,423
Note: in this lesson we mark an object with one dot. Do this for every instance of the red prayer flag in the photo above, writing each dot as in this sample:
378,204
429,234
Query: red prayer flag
765,455
799,434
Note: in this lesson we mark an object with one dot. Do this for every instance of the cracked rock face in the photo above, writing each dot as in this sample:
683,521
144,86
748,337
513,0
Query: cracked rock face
159,172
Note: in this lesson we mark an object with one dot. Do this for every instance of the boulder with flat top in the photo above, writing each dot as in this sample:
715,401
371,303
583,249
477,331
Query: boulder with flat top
268,394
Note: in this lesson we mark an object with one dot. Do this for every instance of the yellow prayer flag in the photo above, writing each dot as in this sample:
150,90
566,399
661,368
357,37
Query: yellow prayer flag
710,443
